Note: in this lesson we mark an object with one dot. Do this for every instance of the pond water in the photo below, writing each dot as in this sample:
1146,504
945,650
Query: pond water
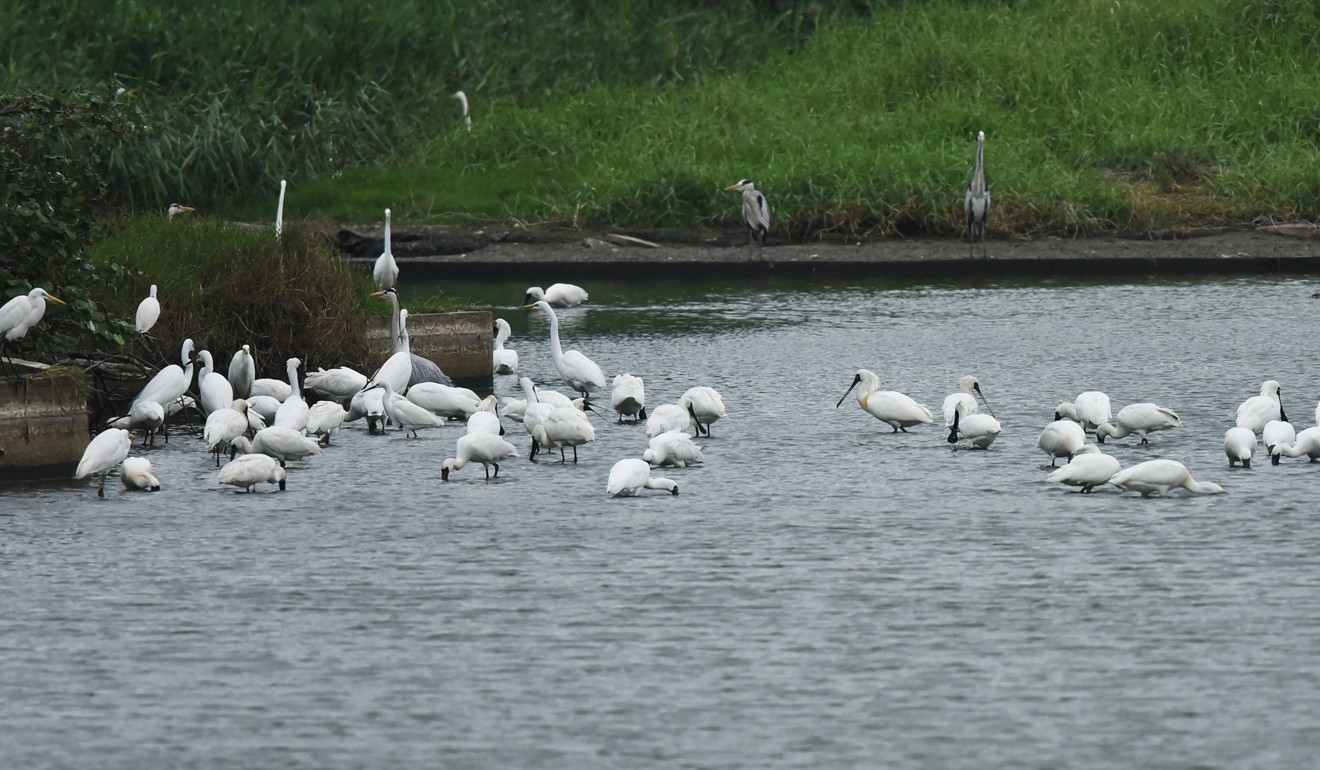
821,593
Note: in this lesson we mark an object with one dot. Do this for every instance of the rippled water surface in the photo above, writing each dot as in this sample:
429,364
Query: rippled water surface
822,594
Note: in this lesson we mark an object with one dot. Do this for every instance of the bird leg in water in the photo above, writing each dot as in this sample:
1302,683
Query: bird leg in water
497,471
101,491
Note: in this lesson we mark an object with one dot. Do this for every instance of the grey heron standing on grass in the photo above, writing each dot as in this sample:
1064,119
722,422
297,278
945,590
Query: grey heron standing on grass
977,200
755,211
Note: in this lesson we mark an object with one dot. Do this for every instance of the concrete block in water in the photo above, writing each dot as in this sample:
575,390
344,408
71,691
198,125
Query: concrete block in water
43,425
461,343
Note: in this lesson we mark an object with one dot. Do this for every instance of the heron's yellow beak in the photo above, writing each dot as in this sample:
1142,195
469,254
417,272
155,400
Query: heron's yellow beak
732,187
528,307
53,298
380,293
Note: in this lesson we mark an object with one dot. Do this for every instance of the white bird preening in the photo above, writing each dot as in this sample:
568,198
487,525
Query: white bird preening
103,454
445,400
675,448
279,212
577,371
969,390
1157,477
404,413
21,313
1240,445
386,270
145,416
249,470
482,447
223,426
557,295
242,372
705,406
339,383
1061,438
136,473
148,312
1142,419
324,418
463,100
976,202
1258,410
503,360
755,211
897,410
1307,444
176,209
628,397
630,476
667,417
1088,469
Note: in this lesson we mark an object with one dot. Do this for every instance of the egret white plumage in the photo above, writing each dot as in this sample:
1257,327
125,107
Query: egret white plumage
980,430
482,421
1306,444
628,397
171,382
1092,409
976,202
272,387
482,447
223,426
249,470
422,369
969,390
667,417
21,313
557,295
534,411
409,417
264,407
1157,477
445,400
1258,410
578,372
675,448
324,418
136,473
1088,469
278,442
339,383
1277,432
897,410
463,100
279,212
145,416
213,388
242,372
103,454
386,270
630,476
1142,419
293,409
148,312
755,211
370,404
564,426
1061,438
503,360
1240,445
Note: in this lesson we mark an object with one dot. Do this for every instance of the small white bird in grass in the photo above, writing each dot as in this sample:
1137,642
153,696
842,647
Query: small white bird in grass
324,418
247,471
145,416
1142,419
897,410
136,475
675,448
628,397
1277,432
556,295
103,454
1157,477
503,360
1239,445
463,100
564,426
629,477
279,210
408,416
386,270
577,371
148,312
280,443
705,406
293,410
1258,410
1088,469
1061,438
1092,409
482,447
242,372
1307,444
225,425
976,202
339,383
980,430
667,417
755,211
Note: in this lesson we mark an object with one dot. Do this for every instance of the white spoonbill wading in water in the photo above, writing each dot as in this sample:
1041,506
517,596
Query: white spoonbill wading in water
1258,410
339,383
564,426
629,477
557,295
1061,438
503,360
755,211
1092,409
225,425
1088,469
1157,477
628,397
102,454
895,409
979,429
969,390
481,447
1239,445
408,416
577,371
145,416
249,470
1307,444
705,406
667,417
1141,419
976,202
675,448
1277,432
324,418
386,270
148,312
293,411
136,474
280,443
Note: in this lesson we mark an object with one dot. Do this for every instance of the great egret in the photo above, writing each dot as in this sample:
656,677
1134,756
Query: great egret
1240,445
503,360
1061,438
675,448
577,371
482,447
977,200
704,405
1088,469
102,454
1157,477
463,100
223,426
557,295
137,474
630,476
667,417
279,212
564,426
408,416
1277,432
421,369
1141,419
242,372
386,270
1092,409
293,409
1258,410
1306,444
278,442
755,211
324,418
176,209
213,388
979,429
21,313
148,312
628,397
171,382
249,470
897,410
969,390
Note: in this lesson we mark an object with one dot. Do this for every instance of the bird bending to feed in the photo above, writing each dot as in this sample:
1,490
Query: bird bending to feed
223,426
1258,410
249,470
482,447
979,429
704,405
897,410
324,418
1239,445
977,200
1092,409
148,312
278,442
667,417
407,415
146,416
242,372
463,100
136,474
1061,438
386,270
675,448
503,360
176,209
577,371
1277,432
1141,419
1088,469
102,454
1157,477
629,477
755,211
557,295
628,397
1307,444
21,313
